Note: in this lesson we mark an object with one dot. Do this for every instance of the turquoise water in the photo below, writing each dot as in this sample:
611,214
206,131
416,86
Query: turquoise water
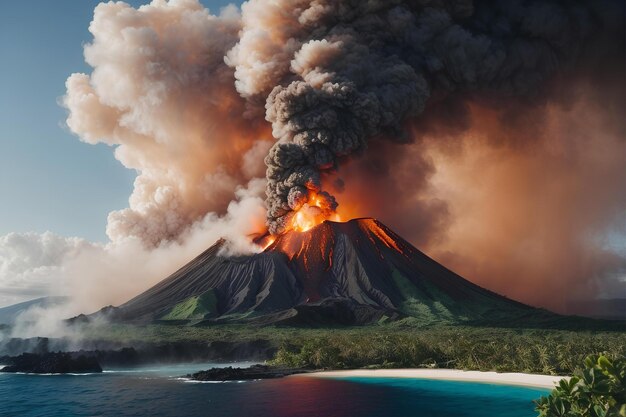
157,391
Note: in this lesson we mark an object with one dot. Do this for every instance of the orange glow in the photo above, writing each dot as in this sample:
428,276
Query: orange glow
312,213
267,242
382,235
306,218
263,241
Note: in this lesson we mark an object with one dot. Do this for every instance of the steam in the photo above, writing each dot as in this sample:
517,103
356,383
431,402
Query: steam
161,94
97,275
30,263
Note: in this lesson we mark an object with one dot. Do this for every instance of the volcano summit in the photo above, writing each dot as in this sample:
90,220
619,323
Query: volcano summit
356,272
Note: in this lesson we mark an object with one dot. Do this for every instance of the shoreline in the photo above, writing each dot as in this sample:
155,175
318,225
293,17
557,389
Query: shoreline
518,379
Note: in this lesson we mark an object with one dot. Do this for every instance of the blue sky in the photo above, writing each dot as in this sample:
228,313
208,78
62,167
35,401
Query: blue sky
49,180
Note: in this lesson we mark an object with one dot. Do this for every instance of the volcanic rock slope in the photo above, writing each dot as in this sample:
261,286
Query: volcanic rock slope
357,272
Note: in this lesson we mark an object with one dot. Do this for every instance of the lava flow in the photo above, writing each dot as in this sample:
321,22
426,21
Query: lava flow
312,253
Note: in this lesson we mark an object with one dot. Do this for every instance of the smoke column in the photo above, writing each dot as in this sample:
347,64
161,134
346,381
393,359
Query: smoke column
438,117
161,94
333,75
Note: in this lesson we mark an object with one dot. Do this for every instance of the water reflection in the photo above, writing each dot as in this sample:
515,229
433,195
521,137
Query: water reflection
131,394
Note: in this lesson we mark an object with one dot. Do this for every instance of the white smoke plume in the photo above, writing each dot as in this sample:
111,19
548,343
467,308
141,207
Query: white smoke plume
161,94
31,264
96,275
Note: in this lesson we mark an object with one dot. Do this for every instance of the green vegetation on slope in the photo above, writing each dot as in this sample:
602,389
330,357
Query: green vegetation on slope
425,310
194,308
599,390
556,352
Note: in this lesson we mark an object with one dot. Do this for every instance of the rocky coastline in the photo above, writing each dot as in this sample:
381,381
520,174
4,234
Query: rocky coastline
51,363
245,374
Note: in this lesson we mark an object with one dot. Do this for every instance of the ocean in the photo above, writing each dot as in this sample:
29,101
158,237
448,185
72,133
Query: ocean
160,391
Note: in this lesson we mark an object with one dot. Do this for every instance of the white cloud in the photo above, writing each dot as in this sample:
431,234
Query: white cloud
32,264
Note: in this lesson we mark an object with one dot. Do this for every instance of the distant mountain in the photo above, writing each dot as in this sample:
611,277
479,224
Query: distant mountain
610,308
9,314
356,272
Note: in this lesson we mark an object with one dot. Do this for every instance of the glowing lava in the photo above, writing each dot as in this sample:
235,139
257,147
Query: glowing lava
267,242
312,213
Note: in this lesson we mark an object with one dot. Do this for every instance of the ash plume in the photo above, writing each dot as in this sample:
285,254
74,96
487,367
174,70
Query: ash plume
333,74
535,211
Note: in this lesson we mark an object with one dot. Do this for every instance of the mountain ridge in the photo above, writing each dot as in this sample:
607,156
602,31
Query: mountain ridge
10,313
355,272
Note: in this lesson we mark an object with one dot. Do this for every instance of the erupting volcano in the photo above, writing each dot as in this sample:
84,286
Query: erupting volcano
481,129
356,272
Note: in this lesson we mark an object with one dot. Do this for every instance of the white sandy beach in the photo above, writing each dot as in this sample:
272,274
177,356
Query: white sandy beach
529,380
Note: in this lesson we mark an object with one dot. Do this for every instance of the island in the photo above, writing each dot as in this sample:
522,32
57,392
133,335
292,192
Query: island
51,363
244,374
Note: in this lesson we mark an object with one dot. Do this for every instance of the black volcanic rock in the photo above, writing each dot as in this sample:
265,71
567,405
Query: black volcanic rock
52,363
243,374
261,282
356,272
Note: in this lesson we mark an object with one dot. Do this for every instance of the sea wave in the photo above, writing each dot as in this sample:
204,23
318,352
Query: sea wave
195,381
55,374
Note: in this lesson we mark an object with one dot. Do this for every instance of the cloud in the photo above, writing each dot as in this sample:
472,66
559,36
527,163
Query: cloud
32,264
96,275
